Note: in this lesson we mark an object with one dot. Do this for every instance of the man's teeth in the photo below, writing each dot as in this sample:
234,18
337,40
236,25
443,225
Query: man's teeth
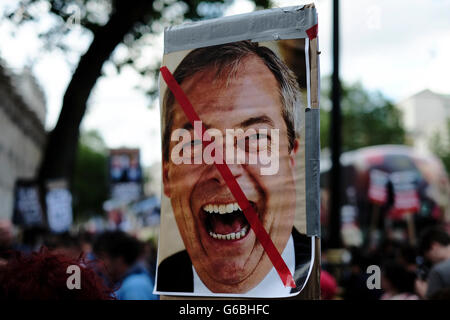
221,208
229,236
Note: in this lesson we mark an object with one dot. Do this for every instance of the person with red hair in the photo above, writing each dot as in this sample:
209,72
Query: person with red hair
44,275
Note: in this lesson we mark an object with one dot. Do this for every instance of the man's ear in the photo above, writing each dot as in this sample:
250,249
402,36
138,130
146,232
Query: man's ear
166,181
293,152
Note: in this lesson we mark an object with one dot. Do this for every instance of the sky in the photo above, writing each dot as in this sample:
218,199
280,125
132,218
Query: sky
397,47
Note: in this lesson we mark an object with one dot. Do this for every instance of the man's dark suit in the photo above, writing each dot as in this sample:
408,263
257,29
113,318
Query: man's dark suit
175,272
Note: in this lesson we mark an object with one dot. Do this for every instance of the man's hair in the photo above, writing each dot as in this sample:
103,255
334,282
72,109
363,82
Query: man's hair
431,235
225,60
399,277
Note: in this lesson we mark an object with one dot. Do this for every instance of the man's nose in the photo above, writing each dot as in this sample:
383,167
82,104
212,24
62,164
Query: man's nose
215,174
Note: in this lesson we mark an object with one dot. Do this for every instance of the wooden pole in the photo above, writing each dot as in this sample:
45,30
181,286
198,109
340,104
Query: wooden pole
335,139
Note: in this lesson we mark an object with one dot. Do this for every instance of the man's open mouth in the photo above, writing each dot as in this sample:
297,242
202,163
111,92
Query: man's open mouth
225,221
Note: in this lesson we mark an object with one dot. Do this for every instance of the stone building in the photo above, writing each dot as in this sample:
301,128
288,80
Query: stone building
22,132
424,114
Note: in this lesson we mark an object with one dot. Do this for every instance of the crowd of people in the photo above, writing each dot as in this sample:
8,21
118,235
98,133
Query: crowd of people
407,272
35,264
116,265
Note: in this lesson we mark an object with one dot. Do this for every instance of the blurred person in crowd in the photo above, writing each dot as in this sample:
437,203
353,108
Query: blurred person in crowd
328,286
6,240
435,246
64,243
86,242
150,254
43,275
408,257
354,281
397,282
32,239
121,256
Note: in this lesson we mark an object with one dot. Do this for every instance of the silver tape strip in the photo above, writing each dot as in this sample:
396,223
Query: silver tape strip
312,155
258,26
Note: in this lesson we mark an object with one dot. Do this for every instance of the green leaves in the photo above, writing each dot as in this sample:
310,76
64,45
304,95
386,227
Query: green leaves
368,118
90,182
440,145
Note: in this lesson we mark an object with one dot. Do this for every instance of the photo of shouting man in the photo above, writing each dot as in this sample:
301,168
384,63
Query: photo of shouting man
251,104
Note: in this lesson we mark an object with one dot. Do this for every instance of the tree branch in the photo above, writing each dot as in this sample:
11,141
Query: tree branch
58,159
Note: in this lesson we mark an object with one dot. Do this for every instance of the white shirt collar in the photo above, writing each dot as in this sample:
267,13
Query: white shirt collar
270,287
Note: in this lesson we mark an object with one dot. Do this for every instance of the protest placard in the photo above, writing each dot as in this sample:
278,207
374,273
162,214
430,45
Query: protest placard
240,142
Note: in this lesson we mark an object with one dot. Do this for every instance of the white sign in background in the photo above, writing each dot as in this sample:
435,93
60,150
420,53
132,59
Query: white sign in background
59,209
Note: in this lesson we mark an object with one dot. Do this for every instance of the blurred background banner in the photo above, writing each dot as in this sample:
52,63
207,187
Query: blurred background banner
406,196
28,210
378,192
58,200
125,174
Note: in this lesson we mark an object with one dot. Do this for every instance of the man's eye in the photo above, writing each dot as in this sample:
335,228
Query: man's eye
192,143
260,136
256,142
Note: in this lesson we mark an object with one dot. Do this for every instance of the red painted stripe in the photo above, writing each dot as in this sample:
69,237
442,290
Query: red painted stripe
249,212
312,32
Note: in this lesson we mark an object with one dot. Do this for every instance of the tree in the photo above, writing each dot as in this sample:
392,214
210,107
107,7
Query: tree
368,118
90,181
110,22
440,145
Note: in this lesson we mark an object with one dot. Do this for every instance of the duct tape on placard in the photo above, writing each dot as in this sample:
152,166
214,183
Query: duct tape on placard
264,25
312,155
